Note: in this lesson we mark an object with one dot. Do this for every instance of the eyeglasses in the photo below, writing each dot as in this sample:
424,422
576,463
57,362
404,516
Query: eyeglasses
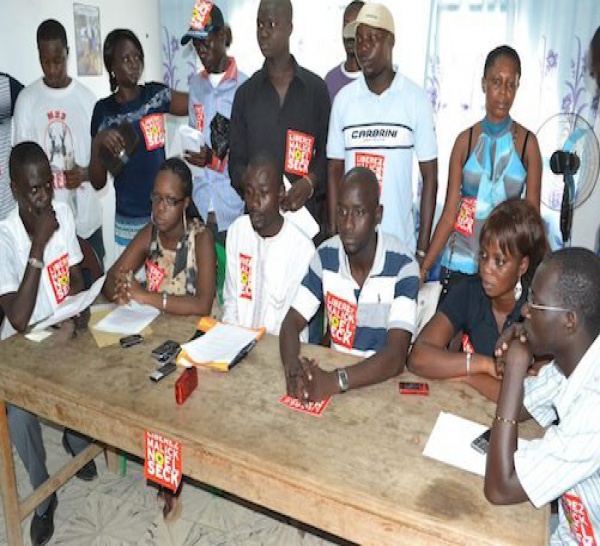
541,307
167,200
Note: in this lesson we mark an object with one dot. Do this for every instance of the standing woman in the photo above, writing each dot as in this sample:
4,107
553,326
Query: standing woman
495,159
142,108
175,248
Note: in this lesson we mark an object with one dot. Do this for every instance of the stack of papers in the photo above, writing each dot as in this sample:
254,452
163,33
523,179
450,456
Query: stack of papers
128,319
450,442
221,347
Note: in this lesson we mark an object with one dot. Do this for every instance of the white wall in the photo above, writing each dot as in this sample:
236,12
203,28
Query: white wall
19,20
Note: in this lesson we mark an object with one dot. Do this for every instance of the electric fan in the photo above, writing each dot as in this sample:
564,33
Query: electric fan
571,162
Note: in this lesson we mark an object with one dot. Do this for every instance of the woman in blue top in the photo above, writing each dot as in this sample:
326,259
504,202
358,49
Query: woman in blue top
480,307
142,108
493,160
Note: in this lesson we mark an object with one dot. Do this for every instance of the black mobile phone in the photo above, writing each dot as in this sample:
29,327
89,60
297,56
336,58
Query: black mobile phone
163,371
166,351
413,387
482,442
130,341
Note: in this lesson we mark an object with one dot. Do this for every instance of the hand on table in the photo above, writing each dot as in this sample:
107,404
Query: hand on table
313,383
127,288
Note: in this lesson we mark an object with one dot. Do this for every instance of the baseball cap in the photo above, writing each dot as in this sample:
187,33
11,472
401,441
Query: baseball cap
374,15
206,17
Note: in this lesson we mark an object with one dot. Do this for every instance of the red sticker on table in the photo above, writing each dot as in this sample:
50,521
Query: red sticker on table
373,162
298,152
465,219
155,276
246,276
153,129
312,408
58,271
162,463
341,316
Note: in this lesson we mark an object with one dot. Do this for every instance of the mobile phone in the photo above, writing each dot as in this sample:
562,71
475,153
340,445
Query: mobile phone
163,371
130,341
166,351
413,387
482,442
185,384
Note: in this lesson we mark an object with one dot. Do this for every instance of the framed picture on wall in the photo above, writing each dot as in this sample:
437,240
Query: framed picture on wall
88,41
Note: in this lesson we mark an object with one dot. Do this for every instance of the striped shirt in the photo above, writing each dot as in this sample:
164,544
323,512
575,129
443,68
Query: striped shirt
9,90
359,318
565,463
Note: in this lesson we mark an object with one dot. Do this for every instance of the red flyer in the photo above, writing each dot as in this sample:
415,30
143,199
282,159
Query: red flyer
313,408
162,464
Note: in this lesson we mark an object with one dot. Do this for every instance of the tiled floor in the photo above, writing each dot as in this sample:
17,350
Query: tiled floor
114,511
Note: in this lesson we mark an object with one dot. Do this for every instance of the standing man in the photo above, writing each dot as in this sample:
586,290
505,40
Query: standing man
211,99
283,109
380,122
267,255
56,111
562,318
40,268
368,282
9,91
348,70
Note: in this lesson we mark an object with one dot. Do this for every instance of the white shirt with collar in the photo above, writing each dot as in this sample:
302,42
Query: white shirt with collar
62,252
263,274
565,463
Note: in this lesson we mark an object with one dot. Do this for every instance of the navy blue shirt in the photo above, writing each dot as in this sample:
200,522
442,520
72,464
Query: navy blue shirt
470,311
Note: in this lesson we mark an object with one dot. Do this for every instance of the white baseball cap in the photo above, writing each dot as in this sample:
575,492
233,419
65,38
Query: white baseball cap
373,15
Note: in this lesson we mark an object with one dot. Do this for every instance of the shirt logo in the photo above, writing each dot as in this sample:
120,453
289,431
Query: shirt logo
298,152
341,315
153,129
373,162
58,143
154,276
378,135
58,271
199,113
465,219
246,276
579,520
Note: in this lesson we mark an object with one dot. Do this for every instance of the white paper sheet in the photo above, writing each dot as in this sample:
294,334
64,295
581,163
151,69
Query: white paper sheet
450,442
301,218
222,343
72,305
128,319
191,139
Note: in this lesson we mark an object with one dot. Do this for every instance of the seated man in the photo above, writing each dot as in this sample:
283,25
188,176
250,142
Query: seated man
267,255
40,257
562,318
369,283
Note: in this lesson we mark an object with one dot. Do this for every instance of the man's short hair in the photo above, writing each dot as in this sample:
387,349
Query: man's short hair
51,29
267,159
364,177
578,286
25,153
284,5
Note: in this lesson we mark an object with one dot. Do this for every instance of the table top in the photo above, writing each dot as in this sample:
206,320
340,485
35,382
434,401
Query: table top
357,471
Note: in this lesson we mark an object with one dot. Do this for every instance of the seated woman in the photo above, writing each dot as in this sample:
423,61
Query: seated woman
176,249
512,244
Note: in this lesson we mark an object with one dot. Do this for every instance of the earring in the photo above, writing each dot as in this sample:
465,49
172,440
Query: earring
184,223
152,217
518,290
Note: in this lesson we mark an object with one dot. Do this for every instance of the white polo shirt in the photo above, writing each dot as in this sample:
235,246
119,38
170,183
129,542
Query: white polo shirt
62,252
565,463
384,132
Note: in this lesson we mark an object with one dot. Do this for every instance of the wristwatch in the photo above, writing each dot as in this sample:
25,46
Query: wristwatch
343,382
34,262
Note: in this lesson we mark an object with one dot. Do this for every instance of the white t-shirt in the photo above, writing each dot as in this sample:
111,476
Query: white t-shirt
59,121
383,132
62,252
263,274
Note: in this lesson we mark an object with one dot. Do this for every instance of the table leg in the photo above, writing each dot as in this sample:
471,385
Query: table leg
8,483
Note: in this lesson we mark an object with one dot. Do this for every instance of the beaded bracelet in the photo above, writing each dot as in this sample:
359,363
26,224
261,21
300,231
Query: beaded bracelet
503,420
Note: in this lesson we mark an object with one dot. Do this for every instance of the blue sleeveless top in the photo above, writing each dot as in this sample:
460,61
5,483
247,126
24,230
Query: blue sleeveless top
492,174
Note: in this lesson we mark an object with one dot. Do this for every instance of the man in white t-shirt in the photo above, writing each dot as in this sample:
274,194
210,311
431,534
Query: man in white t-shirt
56,112
562,319
267,255
381,121
40,267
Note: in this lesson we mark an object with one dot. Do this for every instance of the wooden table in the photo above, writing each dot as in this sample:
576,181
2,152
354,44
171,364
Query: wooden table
357,472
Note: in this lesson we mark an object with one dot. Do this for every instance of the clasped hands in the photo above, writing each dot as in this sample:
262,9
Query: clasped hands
513,349
127,288
307,382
